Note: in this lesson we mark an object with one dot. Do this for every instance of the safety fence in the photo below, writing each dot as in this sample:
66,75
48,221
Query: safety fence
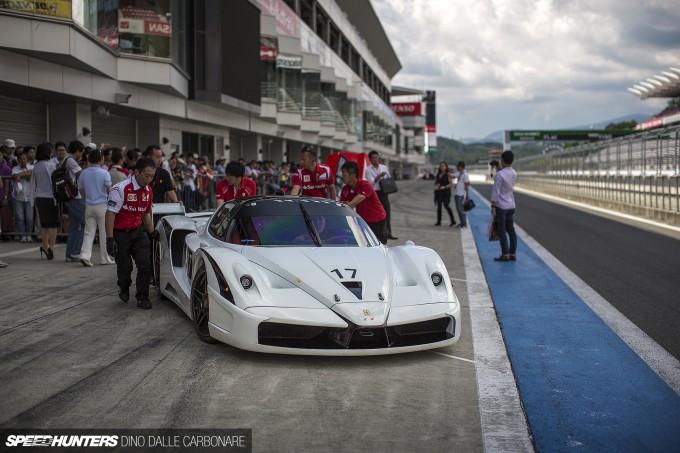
638,173
199,198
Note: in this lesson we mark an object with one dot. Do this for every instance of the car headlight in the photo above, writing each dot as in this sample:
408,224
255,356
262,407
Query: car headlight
246,281
437,278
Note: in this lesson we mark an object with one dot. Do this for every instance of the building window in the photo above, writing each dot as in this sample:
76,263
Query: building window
311,95
328,104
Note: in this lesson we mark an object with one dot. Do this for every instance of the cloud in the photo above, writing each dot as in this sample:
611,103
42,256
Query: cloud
497,64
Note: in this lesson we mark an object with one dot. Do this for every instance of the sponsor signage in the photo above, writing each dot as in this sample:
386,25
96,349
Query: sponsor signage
431,128
267,53
543,136
287,22
157,28
54,8
408,108
288,62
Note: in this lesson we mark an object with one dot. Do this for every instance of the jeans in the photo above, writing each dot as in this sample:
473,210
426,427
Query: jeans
23,213
76,226
462,215
506,228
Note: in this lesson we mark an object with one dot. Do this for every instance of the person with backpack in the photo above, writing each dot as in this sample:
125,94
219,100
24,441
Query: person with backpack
75,204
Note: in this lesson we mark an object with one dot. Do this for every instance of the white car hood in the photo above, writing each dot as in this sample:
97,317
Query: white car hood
321,272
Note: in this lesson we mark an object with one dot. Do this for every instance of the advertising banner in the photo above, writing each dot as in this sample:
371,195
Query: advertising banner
53,8
288,62
408,108
268,48
287,22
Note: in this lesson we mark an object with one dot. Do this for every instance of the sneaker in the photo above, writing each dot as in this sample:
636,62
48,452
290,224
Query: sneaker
86,263
123,294
72,259
502,258
3,264
109,261
144,304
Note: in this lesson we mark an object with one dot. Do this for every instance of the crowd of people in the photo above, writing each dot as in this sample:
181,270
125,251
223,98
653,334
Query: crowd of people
28,206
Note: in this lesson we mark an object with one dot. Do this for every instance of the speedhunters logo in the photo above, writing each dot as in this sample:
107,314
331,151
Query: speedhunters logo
33,440
132,440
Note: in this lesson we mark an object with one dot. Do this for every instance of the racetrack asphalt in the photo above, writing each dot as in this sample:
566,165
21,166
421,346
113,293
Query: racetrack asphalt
73,356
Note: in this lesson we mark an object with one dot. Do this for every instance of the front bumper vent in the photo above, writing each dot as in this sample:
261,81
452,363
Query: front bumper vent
356,337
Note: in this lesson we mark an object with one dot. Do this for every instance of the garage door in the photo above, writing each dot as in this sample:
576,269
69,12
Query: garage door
22,121
118,131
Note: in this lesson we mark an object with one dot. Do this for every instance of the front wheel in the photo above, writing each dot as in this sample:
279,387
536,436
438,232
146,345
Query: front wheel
200,307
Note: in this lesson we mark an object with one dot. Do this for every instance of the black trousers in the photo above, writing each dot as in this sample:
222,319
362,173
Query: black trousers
379,229
385,201
133,245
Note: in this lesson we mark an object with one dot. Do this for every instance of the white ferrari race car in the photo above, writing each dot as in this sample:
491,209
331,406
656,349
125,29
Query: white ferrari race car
297,275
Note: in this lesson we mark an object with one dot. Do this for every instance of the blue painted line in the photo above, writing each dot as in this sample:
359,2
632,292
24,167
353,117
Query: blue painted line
583,388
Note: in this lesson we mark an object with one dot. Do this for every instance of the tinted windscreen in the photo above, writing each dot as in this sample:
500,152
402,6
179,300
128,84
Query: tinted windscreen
332,231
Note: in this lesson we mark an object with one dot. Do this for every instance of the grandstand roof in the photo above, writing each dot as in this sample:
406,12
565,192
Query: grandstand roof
363,17
664,85
404,91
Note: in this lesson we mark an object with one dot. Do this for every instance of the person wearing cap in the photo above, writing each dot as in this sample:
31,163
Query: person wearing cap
8,148
313,179
162,184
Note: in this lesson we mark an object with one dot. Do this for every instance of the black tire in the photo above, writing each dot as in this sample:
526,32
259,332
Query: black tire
199,306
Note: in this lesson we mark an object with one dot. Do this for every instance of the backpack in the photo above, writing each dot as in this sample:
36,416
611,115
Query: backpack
63,187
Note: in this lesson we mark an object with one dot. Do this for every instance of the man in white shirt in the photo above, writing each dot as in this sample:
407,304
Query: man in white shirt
461,193
373,174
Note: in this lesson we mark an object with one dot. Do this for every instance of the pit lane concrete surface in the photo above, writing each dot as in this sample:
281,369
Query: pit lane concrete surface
72,355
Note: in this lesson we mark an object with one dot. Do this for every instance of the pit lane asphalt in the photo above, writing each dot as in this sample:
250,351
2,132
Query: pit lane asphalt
73,356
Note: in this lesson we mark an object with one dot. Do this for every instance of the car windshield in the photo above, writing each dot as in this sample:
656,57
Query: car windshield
294,230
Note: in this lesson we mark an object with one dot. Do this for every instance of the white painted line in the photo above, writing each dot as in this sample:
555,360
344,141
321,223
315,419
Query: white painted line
452,356
504,425
658,359
598,209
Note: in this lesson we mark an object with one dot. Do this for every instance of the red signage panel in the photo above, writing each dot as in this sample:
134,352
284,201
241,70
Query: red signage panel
408,108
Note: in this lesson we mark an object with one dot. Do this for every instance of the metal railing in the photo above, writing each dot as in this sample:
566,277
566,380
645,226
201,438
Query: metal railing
638,173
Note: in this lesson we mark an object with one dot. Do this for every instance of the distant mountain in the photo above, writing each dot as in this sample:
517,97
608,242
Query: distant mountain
497,136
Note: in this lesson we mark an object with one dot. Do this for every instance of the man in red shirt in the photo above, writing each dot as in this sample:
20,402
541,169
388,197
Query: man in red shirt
313,179
128,220
234,185
360,194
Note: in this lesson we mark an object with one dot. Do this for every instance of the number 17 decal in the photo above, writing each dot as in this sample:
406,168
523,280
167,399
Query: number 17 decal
354,272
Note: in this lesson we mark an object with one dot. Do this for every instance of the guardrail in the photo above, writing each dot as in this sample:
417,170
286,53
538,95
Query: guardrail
638,173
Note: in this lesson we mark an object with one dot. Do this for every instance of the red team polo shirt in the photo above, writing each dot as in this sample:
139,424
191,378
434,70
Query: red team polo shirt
313,183
225,192
130,202
371,210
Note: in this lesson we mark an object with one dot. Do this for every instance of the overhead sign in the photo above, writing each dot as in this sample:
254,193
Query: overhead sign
288,62
581,135
54,8
408,108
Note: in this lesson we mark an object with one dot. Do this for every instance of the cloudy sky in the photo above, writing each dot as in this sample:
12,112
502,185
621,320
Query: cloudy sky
522,64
